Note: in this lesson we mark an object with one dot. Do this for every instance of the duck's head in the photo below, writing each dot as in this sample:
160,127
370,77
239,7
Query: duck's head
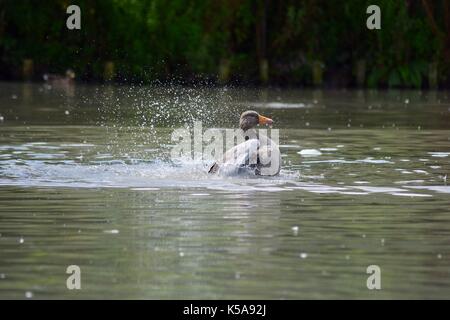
70,74
250,119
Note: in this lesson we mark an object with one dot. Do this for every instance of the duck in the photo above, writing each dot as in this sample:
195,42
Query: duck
258,155
58,79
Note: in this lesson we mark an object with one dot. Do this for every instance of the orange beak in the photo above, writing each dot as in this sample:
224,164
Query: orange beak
264,120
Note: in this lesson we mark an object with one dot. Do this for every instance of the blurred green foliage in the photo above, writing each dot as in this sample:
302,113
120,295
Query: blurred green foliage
190,40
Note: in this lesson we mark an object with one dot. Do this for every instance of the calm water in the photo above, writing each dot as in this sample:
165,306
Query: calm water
86,179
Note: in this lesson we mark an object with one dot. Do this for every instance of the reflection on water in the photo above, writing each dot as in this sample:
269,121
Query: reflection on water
86,179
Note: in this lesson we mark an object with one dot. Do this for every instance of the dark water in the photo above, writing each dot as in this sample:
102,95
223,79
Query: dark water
86,179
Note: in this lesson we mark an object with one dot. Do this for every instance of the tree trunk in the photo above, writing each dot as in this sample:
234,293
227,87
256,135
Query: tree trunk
317,73
224,71
261,41
108,72
433,75
441,34
27,69
360,72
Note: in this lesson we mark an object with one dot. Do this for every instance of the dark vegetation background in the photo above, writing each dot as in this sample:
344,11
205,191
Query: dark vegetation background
247,42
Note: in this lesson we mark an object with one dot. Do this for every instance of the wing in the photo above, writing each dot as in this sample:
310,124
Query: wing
237,157
269,157
269,160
